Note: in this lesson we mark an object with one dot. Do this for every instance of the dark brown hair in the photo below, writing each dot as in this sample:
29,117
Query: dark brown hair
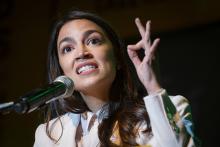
125,103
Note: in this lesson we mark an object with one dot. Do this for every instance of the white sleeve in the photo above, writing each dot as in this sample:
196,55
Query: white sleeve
166,115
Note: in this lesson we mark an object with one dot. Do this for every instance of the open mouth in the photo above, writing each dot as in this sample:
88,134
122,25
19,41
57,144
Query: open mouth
86,68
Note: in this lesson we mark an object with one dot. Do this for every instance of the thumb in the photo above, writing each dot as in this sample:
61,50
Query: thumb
134,57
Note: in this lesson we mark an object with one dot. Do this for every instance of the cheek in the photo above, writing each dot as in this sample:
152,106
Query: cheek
65,64
109,61
112,61
109,57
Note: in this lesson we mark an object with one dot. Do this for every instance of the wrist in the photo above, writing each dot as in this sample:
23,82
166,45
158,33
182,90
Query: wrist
153,89
156,92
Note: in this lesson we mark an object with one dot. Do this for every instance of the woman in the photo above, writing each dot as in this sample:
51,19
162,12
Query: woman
106,109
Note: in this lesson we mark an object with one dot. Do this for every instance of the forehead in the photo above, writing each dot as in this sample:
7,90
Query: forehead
80,25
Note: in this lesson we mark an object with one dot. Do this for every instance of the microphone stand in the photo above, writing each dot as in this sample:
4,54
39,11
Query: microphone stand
61,87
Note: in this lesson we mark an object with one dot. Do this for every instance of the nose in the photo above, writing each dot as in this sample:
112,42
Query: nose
83,53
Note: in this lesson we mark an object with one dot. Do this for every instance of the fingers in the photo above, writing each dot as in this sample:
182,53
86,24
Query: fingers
154,45
148,33
140,27
153,48
136,46
144,43
150,54
134,57
144,32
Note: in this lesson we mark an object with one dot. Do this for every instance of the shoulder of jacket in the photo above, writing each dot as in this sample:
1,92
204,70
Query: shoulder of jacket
181,103
57,125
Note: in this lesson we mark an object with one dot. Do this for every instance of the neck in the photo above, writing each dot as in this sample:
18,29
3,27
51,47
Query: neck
95,102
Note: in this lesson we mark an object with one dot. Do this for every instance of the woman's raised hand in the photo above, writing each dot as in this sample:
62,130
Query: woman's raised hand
144,68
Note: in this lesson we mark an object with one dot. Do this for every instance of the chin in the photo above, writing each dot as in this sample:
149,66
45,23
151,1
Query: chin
93,85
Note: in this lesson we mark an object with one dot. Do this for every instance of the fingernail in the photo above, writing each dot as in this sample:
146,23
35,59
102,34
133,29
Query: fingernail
137,19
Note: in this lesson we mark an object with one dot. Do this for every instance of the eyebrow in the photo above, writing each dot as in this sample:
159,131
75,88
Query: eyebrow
66,39
85,34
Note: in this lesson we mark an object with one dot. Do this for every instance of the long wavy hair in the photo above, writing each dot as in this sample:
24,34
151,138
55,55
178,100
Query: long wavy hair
125,106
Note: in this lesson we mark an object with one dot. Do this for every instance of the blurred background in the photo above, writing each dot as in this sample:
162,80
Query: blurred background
189,32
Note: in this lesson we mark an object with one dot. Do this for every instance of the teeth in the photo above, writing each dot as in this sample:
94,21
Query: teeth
86,68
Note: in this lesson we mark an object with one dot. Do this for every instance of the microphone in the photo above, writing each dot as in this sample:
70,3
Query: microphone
61,87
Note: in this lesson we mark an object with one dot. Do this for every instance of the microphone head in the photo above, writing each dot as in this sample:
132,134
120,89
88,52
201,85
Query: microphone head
68,83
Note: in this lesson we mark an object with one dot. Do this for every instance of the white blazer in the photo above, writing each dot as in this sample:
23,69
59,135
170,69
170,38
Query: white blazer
167,116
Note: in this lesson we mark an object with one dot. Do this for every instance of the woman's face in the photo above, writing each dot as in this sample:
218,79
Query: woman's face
86,55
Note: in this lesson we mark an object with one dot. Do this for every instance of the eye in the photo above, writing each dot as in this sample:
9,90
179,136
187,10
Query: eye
67,49
94,41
